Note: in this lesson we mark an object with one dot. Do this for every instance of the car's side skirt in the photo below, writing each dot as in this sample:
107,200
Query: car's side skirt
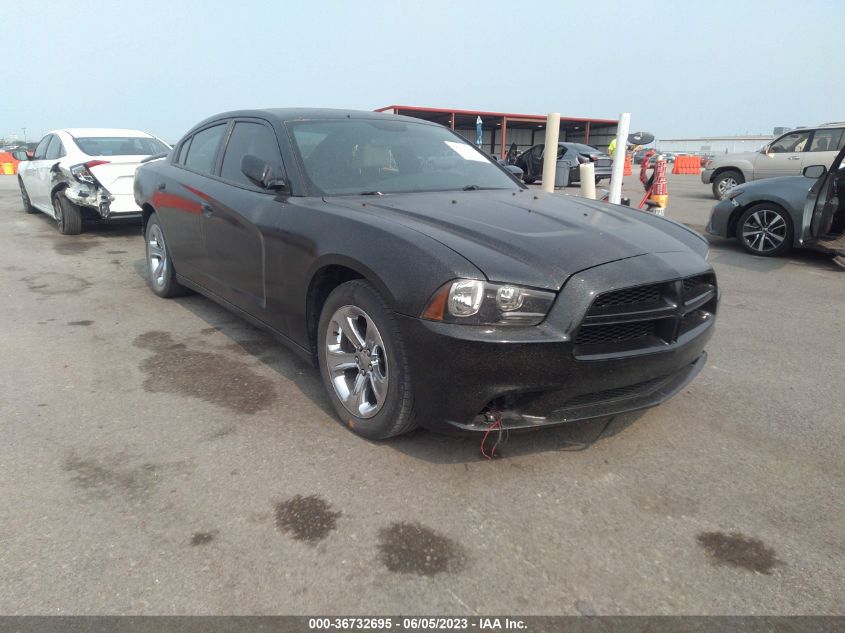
303,352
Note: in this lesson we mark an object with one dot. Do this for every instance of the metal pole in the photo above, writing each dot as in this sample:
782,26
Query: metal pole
615,196
504,136
587,172
550,151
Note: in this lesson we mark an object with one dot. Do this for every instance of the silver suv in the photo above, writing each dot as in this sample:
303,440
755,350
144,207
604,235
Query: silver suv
787,155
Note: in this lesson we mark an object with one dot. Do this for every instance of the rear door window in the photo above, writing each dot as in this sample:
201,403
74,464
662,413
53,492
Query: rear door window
255,139
827,140
203,150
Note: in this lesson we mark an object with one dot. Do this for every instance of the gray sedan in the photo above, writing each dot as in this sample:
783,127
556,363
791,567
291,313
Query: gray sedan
774,215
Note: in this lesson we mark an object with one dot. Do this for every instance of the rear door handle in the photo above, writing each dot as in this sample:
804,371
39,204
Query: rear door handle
794,158
207,211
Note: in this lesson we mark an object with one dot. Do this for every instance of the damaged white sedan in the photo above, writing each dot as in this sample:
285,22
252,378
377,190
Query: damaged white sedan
85,174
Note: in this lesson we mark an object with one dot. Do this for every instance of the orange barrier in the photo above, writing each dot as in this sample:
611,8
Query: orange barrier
627,170
8,164
687,165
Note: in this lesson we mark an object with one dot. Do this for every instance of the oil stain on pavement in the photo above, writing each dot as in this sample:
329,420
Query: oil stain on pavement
55,284
203,538
308,519
84,323
105,478
737,550
412,548
212,377
75,247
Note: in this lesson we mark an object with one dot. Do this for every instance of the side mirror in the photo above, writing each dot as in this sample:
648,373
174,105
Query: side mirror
262,173
21,155
814,171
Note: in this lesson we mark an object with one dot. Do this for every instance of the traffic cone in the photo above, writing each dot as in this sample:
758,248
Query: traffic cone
627,170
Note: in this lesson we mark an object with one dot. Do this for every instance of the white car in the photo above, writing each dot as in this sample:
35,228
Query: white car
85,173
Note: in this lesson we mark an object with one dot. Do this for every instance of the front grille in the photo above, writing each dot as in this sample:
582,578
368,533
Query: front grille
638,294
646,317
614,333
695,286
619,393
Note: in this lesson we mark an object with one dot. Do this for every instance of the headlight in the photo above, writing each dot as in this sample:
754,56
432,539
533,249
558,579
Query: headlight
478,302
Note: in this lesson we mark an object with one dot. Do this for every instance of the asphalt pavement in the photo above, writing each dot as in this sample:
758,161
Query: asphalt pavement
164,457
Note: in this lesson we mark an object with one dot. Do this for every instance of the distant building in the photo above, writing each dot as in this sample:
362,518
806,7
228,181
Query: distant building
714,144
500,129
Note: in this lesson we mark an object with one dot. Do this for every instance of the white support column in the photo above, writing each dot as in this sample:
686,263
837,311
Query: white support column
615,196
550,151
587,172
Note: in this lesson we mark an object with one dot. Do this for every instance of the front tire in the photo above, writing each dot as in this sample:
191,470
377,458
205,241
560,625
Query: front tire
161,275
363,362
68,215
765,230
726,181
25,201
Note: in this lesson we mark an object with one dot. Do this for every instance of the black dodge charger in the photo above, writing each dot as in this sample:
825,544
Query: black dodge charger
429,285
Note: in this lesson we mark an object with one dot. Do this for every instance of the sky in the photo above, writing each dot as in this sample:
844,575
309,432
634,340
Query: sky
680,68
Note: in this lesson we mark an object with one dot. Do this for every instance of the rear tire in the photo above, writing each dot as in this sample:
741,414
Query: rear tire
765,230
27,203
363,362
160,272
528,180
68,215
726,181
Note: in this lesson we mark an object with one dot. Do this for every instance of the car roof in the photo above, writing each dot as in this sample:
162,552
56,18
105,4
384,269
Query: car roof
78,132
302,114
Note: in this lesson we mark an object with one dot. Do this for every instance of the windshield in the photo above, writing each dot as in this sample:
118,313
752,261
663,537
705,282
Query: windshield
121,145
354,156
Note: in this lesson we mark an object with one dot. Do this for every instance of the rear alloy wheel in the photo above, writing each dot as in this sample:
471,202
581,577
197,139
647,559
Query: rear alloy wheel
363,364
68,215
27,203
765,230
726,181
162,277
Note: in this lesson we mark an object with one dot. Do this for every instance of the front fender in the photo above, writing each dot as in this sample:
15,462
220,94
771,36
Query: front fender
744,166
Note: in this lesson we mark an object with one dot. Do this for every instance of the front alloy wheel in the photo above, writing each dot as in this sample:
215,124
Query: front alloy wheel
357,361
765,230
726,181
363,362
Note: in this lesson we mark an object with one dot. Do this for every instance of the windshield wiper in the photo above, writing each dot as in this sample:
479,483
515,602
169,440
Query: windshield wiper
471,188
371,193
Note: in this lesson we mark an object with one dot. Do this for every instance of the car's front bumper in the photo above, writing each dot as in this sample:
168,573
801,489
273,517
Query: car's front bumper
536,376
720,217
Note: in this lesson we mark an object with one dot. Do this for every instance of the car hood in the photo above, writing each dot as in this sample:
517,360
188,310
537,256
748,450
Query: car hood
531,238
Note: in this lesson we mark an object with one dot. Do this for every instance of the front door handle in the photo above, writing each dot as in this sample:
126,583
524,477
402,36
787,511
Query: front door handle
794,158
207,211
